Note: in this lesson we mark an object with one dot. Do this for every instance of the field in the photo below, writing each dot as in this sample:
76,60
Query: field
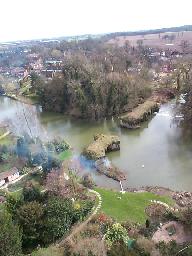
130,207
154,40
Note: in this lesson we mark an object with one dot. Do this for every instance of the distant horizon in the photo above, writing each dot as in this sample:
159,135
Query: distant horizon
92,34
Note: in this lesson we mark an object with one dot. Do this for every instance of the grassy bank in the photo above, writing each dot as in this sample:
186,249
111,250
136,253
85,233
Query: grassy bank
130,207
65,155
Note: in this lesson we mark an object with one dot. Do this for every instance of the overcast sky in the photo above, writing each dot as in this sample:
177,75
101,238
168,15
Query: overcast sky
24,19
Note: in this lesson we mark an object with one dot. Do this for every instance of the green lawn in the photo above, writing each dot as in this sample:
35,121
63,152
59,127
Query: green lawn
8,140
65,155
130,207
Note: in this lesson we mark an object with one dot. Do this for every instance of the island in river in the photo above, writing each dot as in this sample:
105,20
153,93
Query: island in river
152,155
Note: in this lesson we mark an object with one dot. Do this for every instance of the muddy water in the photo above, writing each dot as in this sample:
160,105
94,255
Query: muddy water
152,155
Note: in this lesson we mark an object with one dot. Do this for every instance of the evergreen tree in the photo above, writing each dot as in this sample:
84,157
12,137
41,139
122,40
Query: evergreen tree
10,236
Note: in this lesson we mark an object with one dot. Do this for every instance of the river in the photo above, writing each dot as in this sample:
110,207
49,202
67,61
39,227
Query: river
152,155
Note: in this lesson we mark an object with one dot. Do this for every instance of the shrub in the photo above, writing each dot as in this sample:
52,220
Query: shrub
31,193
59,215
116,234
30,218
87,181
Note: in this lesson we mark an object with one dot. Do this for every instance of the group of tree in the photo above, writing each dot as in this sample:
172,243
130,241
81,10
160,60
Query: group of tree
96,84
38,218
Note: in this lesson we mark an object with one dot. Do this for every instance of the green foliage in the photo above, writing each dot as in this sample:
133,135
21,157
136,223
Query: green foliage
65,155
94,87
3,157
51,163
22,147
30,218
116,233
10,236
58,218
25,170
82,209
13,203
60,145
50,251
121,249
31,193
168,249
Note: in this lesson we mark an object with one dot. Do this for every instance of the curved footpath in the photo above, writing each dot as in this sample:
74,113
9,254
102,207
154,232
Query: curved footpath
80,227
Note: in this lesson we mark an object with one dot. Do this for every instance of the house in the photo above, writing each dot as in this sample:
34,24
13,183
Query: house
8,176
50,73
18,72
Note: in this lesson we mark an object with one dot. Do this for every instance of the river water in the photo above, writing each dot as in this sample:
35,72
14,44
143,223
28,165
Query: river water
153,155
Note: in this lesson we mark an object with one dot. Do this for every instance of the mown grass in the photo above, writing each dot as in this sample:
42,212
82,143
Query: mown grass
130,207
65,155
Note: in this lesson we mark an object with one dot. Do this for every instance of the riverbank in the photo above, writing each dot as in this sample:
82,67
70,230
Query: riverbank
21,99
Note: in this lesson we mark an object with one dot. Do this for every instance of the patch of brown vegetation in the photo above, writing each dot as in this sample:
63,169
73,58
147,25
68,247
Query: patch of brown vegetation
102,144
163,95
183,199
139,114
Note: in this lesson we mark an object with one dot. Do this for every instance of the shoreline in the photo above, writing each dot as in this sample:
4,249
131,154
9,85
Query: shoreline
20,99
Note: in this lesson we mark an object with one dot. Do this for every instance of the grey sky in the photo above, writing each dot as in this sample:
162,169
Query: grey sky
24,19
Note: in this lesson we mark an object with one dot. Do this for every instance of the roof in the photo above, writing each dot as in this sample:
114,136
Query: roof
4,175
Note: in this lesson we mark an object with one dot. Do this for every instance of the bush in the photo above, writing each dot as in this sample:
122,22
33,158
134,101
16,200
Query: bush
30,218
25,170
59,216
31,193
116,234
87,181
10,236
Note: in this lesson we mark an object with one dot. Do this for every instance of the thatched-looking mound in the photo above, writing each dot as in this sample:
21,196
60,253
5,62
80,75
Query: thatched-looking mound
139,114
102,144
